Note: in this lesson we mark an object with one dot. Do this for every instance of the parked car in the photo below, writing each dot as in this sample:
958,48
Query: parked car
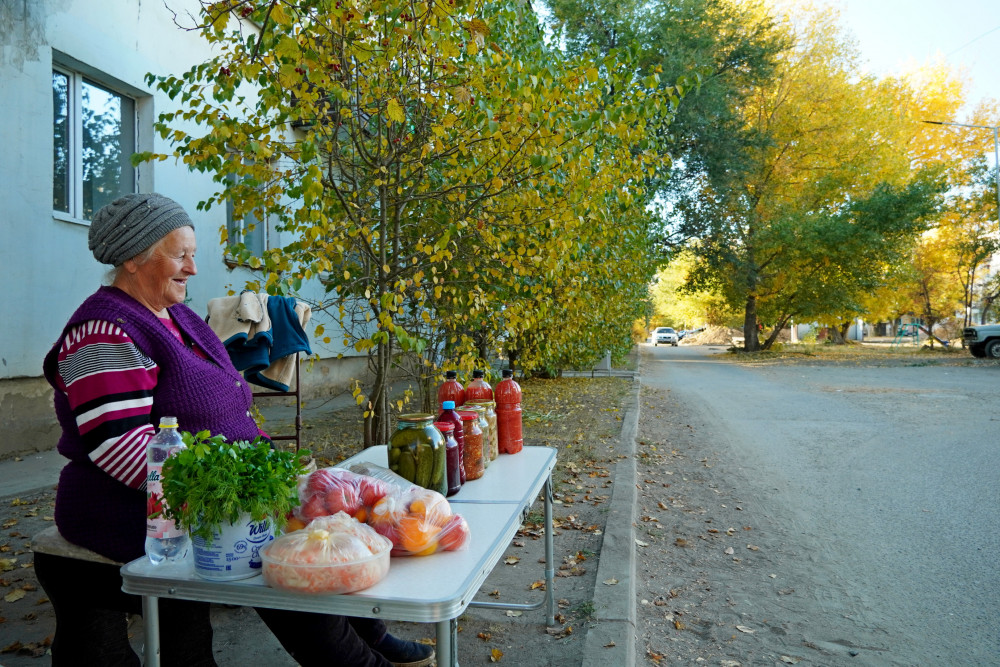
665,335
983,341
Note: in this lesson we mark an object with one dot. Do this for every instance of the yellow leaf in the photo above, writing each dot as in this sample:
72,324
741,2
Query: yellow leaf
278,14
394,111
495,655
14,596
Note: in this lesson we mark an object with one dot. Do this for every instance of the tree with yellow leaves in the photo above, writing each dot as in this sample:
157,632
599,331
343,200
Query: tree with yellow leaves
430,162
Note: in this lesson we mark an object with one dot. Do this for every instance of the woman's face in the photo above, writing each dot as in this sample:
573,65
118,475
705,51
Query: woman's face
161,280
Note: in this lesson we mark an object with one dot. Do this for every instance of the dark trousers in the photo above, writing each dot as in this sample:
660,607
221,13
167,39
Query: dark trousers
91,624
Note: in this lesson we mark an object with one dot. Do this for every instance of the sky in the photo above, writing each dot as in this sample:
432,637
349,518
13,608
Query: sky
894,33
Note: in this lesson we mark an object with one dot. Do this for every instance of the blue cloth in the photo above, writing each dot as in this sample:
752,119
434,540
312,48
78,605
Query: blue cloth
255,355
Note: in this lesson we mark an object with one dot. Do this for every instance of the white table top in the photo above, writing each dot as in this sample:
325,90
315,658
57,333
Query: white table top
512,478
420,588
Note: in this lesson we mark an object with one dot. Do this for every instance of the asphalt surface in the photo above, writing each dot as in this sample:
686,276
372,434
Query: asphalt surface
872,492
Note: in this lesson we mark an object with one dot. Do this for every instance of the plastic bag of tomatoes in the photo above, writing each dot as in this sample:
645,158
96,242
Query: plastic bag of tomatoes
417,521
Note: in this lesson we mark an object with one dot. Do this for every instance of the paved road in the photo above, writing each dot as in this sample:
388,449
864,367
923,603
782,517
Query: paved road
888,479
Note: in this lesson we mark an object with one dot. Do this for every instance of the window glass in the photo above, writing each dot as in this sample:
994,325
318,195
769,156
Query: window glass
60,144
249,230
107,146
93,141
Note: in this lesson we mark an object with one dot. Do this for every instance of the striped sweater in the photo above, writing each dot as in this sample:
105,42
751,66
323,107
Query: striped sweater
116,370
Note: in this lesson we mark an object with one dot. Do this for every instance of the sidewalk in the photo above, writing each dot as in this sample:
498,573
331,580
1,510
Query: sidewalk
242,638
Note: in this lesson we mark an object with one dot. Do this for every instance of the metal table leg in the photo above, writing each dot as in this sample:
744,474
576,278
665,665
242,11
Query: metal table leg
447,643
550,565
549,601
151,627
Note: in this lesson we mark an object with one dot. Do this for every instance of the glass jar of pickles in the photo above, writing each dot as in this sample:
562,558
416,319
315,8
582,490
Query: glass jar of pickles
491,422
417,452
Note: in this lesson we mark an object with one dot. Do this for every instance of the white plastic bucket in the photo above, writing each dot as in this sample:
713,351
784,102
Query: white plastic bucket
234,552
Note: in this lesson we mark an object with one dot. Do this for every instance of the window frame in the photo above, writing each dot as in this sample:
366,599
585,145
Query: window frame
76,78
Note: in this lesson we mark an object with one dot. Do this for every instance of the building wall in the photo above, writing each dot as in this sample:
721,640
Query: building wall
49,269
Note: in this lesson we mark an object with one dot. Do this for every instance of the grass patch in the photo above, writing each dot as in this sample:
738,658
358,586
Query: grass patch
855,354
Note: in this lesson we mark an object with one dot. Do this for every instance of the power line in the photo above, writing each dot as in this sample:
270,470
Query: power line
973,41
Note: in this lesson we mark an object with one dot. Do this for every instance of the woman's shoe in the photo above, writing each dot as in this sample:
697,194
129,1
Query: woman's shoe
402,653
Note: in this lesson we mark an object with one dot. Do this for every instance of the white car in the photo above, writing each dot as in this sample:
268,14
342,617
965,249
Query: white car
664,335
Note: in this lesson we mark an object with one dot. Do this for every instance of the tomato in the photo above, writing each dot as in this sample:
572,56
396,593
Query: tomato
455,534
371,490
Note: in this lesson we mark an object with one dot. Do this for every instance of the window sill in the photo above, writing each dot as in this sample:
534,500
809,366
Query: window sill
66,217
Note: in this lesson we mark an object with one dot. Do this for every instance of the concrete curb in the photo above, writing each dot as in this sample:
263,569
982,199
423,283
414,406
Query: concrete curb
611,642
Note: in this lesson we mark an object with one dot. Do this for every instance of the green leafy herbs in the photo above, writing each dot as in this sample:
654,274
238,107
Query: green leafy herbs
213,482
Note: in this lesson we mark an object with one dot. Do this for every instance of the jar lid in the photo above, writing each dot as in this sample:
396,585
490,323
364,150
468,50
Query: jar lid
468,416
451,375
472,407
415,417
507,373
444,427
478,373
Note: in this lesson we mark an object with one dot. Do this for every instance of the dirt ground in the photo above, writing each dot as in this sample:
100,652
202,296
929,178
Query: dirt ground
581,417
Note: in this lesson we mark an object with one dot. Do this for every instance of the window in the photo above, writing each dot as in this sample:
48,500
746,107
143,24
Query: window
249,231
93,141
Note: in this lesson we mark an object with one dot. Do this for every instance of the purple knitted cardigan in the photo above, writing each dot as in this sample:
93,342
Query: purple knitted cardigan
93,509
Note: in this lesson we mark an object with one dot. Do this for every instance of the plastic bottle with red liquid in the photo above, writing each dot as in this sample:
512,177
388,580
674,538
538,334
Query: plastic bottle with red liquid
479,389
453,463
450,390
508,399
448,414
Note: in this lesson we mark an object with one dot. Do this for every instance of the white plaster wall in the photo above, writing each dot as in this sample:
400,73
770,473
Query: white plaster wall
49,269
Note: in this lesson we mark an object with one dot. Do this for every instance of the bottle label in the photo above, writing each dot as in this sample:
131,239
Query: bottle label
157,525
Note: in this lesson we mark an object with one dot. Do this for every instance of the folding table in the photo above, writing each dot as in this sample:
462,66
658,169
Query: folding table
428,589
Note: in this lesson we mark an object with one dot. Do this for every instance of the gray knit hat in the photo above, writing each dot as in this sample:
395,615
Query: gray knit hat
130,224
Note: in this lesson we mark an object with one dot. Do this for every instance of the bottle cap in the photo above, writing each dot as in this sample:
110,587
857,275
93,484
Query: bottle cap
448,405
444,427
508,373
451,375
468,416
478,374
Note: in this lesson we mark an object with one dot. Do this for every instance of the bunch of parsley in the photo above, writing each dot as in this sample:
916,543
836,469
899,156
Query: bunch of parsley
214,482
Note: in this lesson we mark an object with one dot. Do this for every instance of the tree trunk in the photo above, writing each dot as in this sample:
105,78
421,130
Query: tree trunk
775,332
840,333
377,420
750,341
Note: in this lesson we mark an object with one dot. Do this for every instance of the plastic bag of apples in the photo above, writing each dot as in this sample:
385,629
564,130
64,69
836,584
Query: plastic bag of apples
418,521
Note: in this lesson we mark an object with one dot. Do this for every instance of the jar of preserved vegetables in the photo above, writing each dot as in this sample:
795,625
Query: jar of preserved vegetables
484,425
417,452
472,457
491,422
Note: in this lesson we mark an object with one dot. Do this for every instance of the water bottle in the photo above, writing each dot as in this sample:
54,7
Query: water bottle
164,540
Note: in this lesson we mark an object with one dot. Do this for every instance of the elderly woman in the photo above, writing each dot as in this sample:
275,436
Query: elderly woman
131,353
